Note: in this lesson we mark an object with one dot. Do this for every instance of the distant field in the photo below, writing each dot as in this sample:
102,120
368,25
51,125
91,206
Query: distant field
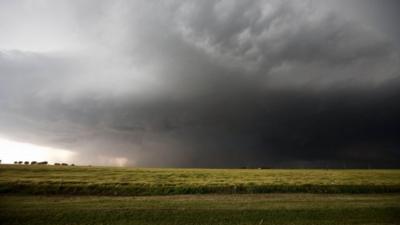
257,209
130,181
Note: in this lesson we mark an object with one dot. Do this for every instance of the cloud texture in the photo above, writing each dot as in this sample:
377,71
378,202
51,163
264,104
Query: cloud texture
203,83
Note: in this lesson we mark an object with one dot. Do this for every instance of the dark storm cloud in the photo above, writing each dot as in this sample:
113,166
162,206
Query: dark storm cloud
207,83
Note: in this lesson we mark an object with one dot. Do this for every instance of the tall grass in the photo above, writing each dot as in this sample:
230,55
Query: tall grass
129,181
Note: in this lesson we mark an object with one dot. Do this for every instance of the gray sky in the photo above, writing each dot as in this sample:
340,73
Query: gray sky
281,83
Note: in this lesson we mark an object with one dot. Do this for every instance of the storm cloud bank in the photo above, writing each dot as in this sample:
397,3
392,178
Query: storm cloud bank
204,83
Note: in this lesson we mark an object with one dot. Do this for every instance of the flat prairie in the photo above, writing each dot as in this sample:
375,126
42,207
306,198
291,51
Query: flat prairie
117,196
133,181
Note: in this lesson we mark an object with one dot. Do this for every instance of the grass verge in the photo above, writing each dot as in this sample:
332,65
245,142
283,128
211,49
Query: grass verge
296,209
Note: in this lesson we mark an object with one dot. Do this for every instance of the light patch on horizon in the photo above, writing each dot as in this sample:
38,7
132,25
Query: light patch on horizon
111,161
11,151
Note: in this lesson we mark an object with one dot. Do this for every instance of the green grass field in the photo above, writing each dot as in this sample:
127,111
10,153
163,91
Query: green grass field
284,209
117,196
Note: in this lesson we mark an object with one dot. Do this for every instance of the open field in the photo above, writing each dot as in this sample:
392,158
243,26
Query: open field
130,181
104,195
203,209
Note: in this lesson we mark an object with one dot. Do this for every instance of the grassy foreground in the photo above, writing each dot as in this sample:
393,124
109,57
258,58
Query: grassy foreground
121,196
257,209
129,181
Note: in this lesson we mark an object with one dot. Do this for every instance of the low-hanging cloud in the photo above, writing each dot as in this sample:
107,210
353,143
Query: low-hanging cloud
202,83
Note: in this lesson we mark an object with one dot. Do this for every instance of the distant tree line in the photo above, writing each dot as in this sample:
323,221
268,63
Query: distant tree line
40,163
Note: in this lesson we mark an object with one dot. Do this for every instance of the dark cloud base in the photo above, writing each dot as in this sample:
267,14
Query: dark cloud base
246,126
283,128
